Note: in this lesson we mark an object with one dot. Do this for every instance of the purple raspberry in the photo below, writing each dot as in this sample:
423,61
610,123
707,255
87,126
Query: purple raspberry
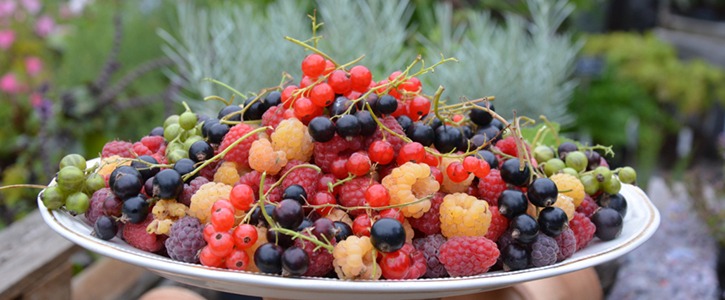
567,244
430,246
191,188
543,251
103,202
186,240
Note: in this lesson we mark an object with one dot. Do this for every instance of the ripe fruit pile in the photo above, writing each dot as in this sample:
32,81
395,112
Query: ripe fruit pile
347,177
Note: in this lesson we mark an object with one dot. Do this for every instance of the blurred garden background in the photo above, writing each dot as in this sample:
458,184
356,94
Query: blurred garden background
647,77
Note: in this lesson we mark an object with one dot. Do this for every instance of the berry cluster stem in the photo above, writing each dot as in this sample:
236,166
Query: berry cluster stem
221,154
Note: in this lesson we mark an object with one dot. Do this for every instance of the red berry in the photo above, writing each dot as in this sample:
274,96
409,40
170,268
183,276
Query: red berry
431,160
401,110
457,118
329,67
245,235
412,85
418,107
313,65
414,152
208,232
381,152
361,225
324,180
209,259
305,110
352,95
360,78
394,265
483,169
377,195
305,82
437,174
323,198
358,164
222,219
339,82
242,197
322,95
222,204
395,75
456,172
221,243
237,260
338,168
287,97
471,164
392,213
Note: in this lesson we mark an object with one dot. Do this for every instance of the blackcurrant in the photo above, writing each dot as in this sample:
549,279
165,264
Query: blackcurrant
481,117
342,230
324,227
608,222
306,223
512,173
257,218
184,166
105,228
295,261
295,192
268,258
593,158
126,186
367,123
512,203
157,131
141,164
281,239
489,157
228,111
321,129
348,126
387,235
552,220
565,148
447,138
135,209
288,214
386,104
614,201
491,134
467,132
217,132
542,192
514,257
524,228
405,122
421,133
167,184
207,126
497,124
254,110
341,106
272,99
122,171
200,151
435,123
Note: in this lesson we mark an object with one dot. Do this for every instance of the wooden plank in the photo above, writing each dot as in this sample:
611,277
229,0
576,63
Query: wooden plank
54,285
108,278
30,250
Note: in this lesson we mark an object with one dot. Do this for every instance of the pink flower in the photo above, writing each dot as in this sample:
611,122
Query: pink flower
7,7
9,84
36,99
44,26
33,65
7,37
32,6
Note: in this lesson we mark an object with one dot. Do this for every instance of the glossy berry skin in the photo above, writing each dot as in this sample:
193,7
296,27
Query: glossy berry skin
358,164
421,133
322,129
515,257
552,220
306,223
245,236
512,174
288,214
524,228
414,152
512,203
418,107
566,147
387,235
615,201
377,195
386,104
447,138
122,171
593,158
272,99
105,228
295,261
367,123
185,166
456,172
323,228
200,151
268,258
281,239
167,184
348,126
405,122
481,117
295,192
323,198
608,222
254,110
143,168
206,126
340,106
135,209
381,152
322,95
216,133
228,111
342,230
157,131
542,192
489,157
126,186
361,225
489,134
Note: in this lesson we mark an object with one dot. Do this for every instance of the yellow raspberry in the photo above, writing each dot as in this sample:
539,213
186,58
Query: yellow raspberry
291,136
204,198
263,158
448,185
261,240
227,173
464,215
337,214
569,185
165,212
409,183
566,204
353,259
110,163
409,232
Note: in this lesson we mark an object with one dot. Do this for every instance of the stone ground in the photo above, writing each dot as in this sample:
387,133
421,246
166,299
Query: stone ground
678,262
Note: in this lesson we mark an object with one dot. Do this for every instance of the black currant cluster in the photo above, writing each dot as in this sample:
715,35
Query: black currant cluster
349,119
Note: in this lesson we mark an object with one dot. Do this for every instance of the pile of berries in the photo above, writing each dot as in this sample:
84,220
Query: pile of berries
343,176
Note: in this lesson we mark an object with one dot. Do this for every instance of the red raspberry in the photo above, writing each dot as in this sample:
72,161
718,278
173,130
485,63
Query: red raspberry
136,236
567,244
153,143
583,230
352,193
191,188
209,171
253,178
508,146
273,116
326,153
120,148
588,206
141,149
430,222
320,259
160,157
305,177
392,124
491,186
240,153
468,255
499,224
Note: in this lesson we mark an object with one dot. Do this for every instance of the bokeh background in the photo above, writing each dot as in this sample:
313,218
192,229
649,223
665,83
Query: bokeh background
644,76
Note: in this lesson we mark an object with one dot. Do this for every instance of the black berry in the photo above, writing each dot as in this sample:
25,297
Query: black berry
322,129
387,235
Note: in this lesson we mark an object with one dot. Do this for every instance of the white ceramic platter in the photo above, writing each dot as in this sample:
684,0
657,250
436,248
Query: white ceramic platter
640,223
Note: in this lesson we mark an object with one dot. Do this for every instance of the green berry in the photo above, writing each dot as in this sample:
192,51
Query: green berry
543,153
570,171
71,179
77,203
53,197
577,160
94,182
177,155
172,119
591,185
75,160
191,140
611,186
188,120
627,175
172,131
602,173
553,166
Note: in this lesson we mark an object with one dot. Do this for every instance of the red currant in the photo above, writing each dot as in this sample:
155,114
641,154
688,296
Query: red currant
242,197
313,65
339,82
329,67
221,243
222,219
305,110
361,225
208,232
456,172
287,97
392,213
411,85
483,169
377,195
418,107
402,109
471,164
237,260
395,75
305,82
209,259
323,198
431,160
381,152
394,265
358,164
245,235
414,152
360,78
437,174
322,95
338,168
222,204
352,95
324,180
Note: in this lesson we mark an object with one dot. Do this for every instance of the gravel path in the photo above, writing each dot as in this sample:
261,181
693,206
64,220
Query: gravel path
678,262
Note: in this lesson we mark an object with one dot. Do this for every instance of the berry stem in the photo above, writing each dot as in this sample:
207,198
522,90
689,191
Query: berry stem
30,186
214,97
311,48
436,103
221,154
233,90
279,181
